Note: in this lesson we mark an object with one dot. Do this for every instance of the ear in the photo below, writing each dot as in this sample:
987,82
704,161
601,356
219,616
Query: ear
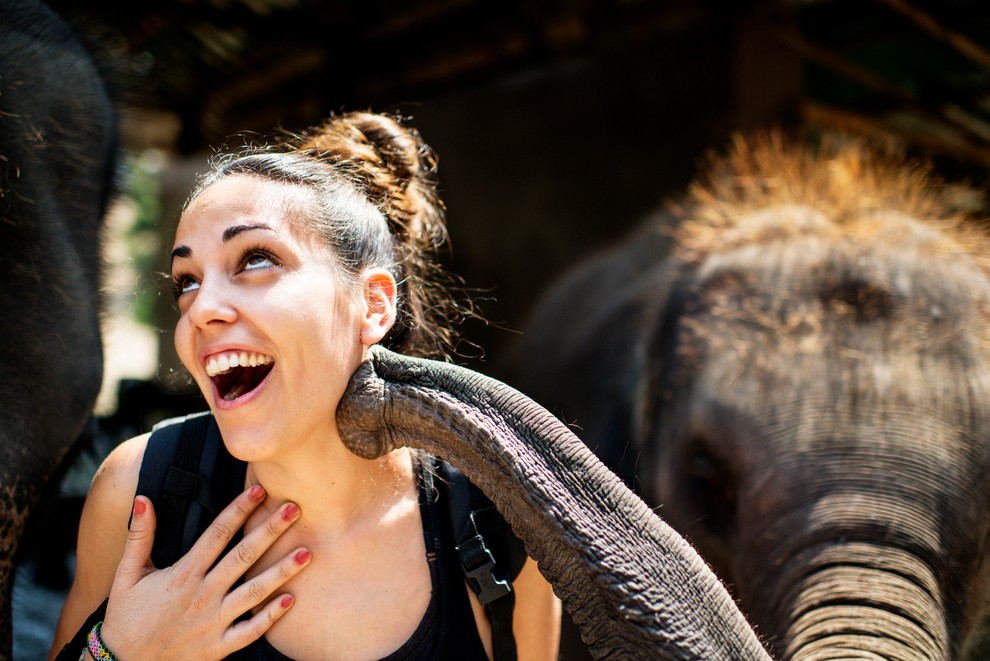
379,300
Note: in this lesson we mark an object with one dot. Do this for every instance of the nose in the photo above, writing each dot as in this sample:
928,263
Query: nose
213,304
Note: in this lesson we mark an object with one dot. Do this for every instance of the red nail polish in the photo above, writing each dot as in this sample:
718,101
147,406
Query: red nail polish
302,557
287,601
257,492
290,512
139,507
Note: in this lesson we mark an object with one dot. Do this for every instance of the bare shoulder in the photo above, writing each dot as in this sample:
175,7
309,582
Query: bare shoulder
102,535
536,617
118,475
103,526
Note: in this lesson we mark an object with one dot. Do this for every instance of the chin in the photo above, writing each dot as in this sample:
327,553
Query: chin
246,442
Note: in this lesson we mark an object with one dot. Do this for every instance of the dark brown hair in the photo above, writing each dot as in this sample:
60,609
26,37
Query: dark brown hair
375,181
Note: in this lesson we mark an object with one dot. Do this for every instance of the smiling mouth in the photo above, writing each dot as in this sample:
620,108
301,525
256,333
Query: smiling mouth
237,373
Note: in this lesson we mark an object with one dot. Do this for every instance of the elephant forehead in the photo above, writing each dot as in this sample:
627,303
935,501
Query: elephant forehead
819,417
908,402
823,380
804,292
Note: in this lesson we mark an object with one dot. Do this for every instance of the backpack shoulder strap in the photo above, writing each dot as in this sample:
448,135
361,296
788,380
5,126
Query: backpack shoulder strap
189,477
490,555
168,469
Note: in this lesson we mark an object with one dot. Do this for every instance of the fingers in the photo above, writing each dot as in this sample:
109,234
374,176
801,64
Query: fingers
193,605
259,588
245,632
231,567
254,544
136,559
215,539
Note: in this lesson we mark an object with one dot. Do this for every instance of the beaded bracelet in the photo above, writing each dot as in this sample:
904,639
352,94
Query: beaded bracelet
97,649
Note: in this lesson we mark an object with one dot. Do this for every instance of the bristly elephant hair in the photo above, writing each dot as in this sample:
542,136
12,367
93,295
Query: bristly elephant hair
793,363
57,162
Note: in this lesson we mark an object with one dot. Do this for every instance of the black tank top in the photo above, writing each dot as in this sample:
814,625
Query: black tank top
447,631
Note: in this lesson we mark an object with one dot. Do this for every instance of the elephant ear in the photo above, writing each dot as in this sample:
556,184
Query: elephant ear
632,585
596,315
655,351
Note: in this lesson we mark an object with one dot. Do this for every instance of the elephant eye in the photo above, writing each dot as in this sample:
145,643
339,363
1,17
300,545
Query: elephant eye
711,487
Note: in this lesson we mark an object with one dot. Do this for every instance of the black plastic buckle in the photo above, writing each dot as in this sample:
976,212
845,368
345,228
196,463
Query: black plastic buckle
479,565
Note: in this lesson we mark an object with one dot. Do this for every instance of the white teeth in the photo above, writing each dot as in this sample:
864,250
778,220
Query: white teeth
223,362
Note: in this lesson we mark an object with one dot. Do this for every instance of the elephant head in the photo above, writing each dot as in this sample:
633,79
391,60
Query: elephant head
633,585
57,161
802,378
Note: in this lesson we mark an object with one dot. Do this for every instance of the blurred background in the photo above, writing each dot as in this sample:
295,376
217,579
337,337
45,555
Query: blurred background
559,126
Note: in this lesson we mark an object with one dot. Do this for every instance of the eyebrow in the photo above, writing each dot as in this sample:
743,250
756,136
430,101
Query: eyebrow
228,234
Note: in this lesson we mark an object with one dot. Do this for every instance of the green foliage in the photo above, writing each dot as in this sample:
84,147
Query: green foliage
142,237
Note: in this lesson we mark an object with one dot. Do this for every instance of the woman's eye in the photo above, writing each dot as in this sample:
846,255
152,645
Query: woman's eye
258,260
183,285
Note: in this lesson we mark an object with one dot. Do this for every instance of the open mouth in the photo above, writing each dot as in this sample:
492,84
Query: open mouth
237,373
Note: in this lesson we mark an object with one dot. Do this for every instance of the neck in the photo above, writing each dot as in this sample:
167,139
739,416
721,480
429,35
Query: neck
334,488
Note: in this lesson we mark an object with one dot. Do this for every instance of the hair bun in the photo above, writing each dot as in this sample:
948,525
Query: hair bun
397,171
392,166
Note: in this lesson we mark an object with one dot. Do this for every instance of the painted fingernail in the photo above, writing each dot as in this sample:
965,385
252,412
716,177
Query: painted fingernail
303,556
287,600
139,507
257,492
290,512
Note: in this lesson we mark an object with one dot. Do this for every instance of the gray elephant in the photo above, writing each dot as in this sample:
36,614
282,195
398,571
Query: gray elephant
793,364
57,150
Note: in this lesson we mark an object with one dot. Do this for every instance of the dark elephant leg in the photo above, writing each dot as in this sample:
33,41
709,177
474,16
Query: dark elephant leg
57,150
634,587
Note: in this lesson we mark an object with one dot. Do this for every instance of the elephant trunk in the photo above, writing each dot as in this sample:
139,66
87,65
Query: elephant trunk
856,599
633,586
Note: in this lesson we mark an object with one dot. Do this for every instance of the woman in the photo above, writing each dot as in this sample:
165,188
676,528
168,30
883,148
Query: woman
287,266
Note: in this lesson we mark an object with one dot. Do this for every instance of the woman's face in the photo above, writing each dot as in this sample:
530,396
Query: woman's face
267,329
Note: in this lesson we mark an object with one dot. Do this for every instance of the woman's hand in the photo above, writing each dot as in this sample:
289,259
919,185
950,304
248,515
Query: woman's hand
189,610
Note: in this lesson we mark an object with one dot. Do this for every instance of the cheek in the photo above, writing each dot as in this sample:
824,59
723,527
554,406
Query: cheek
340,338
183,346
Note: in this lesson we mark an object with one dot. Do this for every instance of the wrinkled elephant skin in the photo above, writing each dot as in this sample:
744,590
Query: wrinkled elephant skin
56,166
634,586
794,365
